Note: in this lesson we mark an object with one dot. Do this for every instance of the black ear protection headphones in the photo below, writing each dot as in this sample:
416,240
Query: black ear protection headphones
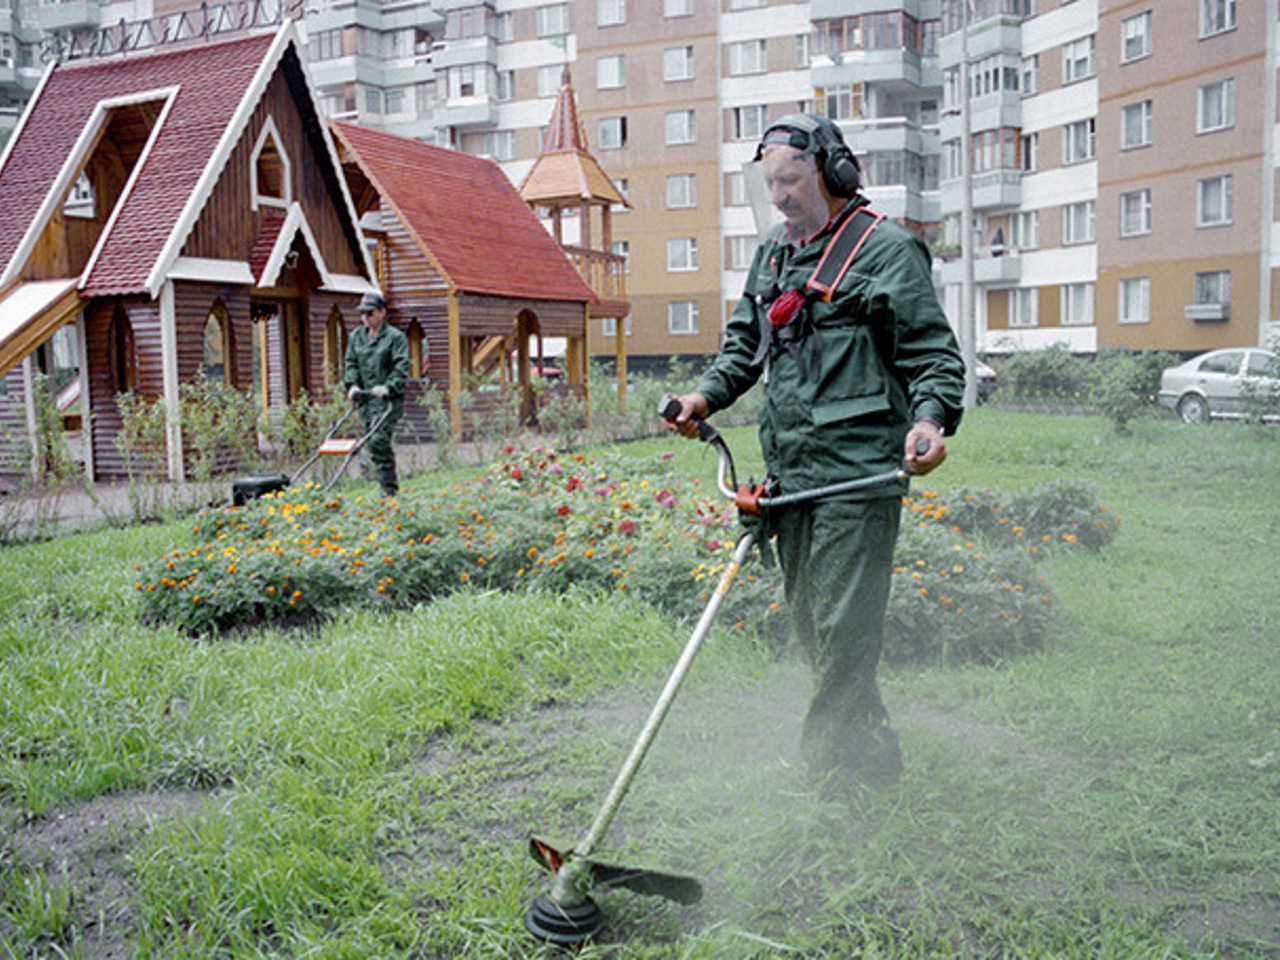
821,137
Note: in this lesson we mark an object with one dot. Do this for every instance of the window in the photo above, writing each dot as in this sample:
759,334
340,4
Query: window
549,80
1077,305
215,366
803,55
500,144
1024,230
611,72
846,101
1030,153
1077,59
1214,204
553,20
1031,75
1216,106
1024,308
80,200
682,254
335,347
1135,213
682,318
622,248
1217,16
1135,37
395,100
612,133
682,191
1078,222
992,150
748,123
271,180
680,126
470,80
739,251
1228,363
735,189
504,87
610,13
746,57
677,63
325,45
1135,300
504,27
1213,286
1135,125
677,8
745,4
1078,141
609,326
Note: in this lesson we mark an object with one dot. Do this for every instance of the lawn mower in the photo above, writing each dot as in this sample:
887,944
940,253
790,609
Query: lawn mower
244,489
567,915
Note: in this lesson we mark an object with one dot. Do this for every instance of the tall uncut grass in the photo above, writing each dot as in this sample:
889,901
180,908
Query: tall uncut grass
365,788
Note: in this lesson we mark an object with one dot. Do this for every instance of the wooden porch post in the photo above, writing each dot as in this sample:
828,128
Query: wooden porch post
169,367
455,366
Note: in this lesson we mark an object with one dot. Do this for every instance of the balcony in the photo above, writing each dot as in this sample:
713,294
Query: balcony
1207,312
605,273
897,67
884,135
992,266
469,112
992,190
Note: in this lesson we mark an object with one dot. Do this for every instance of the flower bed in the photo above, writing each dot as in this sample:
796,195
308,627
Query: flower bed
965,587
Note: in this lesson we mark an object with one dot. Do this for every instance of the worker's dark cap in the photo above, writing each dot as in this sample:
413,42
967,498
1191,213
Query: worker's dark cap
371,302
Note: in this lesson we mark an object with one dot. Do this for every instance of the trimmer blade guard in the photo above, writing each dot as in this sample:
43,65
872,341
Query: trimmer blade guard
653,883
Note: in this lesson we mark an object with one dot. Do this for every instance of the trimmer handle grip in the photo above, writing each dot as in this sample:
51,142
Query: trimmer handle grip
669,409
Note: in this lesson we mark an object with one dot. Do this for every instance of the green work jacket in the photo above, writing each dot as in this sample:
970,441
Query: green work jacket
383,360
885,357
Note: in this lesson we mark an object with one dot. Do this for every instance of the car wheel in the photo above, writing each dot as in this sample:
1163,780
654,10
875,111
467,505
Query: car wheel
1193,408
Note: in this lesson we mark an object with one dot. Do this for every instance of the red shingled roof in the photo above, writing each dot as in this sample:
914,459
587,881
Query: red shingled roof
213,80
468,216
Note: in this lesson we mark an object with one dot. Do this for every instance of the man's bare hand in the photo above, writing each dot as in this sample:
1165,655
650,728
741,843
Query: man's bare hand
693,407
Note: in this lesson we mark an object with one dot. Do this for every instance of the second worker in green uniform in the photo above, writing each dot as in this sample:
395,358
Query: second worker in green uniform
376,370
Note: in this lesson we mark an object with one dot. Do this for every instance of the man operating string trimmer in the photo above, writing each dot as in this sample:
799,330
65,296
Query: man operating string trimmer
862,370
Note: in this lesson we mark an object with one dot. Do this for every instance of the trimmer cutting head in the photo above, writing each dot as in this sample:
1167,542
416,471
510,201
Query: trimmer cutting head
567,916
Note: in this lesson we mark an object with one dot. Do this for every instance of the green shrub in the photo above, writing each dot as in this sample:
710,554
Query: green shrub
1053,373
1123,385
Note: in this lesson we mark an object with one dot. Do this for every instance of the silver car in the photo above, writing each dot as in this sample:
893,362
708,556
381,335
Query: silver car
1224,384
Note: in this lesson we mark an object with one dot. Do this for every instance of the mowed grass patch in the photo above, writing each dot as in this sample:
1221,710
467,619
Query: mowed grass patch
367,786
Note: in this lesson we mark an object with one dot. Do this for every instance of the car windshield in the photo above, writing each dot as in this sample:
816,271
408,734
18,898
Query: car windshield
1222,362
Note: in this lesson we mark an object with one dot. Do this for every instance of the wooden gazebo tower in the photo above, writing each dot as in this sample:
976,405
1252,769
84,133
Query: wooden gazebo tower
566,177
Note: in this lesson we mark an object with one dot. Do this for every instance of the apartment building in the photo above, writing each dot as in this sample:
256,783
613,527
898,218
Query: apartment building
1118,196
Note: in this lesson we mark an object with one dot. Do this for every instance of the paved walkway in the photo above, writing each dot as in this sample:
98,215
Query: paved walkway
77,507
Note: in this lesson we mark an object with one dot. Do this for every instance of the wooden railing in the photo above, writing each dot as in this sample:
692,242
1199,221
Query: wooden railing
605,273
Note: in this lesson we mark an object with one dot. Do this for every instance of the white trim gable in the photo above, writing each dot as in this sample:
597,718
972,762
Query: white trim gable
260,198
286,37
294,223
86,142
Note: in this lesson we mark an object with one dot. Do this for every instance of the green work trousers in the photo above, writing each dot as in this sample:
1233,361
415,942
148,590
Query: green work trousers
381,453
837,564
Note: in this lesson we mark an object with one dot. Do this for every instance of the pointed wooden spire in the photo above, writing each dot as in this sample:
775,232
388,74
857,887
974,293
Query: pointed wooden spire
566,171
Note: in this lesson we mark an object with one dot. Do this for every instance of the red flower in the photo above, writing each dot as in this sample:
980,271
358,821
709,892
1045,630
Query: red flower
783,310
564,510
517,473
627,526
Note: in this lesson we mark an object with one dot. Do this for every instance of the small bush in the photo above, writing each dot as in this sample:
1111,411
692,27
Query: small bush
1053,373
1123,385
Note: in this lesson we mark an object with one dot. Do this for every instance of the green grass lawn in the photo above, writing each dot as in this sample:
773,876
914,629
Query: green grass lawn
366,787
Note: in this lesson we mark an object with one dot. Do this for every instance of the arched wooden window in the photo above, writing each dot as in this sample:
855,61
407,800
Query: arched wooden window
122,353
335,347
219,361
417,350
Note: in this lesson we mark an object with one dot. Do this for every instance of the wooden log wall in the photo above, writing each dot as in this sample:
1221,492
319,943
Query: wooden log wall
143,315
